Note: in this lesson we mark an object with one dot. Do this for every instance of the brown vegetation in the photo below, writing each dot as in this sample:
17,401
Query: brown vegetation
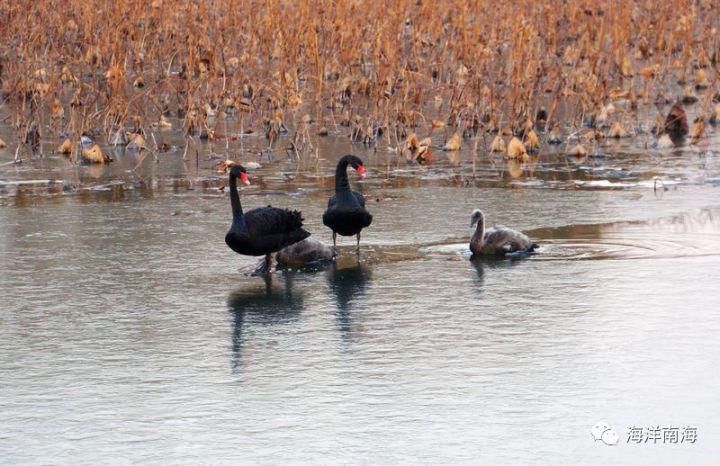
377,68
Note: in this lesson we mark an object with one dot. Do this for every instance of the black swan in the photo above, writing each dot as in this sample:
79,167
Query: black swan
497,241
260,231
305,252
346,214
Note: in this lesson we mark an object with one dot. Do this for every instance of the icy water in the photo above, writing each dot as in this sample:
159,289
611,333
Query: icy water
128,333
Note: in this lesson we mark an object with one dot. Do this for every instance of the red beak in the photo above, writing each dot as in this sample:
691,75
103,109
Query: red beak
244,179
361,171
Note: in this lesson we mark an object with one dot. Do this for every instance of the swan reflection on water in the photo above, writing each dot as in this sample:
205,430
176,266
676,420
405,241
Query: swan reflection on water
347,284
486,265
261,304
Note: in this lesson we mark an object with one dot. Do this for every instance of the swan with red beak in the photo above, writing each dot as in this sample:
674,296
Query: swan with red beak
346,214
260,231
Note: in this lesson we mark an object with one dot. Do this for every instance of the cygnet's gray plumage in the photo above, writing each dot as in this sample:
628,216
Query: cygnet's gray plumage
497,241
304,252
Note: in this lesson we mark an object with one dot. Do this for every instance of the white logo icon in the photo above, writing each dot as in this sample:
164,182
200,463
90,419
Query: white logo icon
603,431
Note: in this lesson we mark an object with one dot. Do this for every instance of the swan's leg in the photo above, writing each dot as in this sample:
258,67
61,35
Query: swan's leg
257,271
334,237
264,266
358,244
268,283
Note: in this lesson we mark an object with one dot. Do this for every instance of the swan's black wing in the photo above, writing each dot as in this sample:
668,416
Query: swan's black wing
346,214
332,202
360,198
332,207
272,220
271,229
367,217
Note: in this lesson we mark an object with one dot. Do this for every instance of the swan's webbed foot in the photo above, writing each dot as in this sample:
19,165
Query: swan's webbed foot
263,268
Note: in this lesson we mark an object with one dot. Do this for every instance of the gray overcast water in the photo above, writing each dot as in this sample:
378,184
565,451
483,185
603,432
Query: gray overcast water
128,333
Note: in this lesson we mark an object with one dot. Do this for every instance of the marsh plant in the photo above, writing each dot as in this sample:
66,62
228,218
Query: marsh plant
117,71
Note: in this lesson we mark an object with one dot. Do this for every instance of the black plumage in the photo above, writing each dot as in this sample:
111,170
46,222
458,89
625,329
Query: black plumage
261,231
346,214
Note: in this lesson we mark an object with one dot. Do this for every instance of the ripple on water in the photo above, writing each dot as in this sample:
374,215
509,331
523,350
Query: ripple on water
686,235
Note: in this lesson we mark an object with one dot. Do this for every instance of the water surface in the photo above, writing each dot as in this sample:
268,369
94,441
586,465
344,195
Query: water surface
129,334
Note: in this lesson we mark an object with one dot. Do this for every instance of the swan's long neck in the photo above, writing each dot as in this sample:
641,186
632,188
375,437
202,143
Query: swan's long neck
235,198
341,178
478,238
